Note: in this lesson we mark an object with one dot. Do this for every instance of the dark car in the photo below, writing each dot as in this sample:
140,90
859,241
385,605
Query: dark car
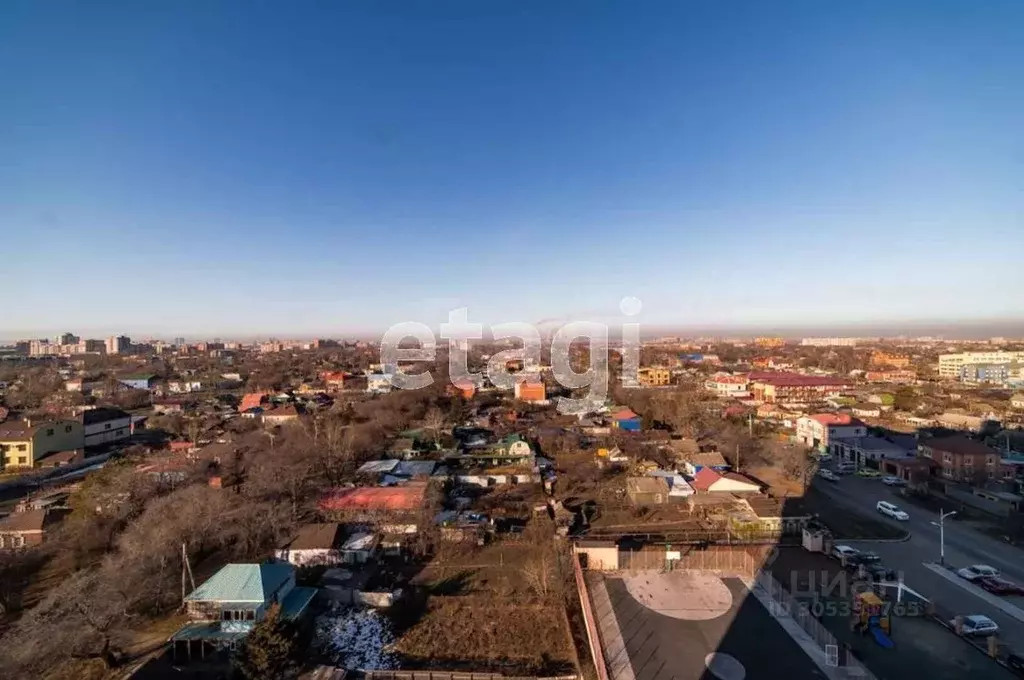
879,572
1000,586
865,558
1016,663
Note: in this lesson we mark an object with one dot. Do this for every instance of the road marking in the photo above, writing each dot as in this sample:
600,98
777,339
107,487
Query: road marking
994,600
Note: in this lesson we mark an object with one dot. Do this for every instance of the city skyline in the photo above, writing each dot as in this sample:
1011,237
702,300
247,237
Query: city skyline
768,167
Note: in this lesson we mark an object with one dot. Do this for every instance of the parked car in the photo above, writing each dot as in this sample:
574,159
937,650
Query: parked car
891,480
1016,663
844,552
977,571
868,473
879,572
828,475
846,467
976,624
891,510
824,457
999,586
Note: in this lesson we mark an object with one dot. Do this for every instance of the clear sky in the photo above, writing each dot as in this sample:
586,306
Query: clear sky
217,168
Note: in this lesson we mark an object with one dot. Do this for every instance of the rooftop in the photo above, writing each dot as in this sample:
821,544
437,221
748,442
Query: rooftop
242,583
27,521
316,536
958,444
410,497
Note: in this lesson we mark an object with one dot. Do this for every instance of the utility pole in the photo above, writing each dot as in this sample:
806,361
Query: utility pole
737,458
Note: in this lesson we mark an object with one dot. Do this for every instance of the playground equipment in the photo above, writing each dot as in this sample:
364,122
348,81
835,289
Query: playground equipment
872,616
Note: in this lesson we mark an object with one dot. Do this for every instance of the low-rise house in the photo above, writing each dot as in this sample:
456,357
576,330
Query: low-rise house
105,426
818,430
253,400
626,420
654,376
397,508
167,406
327,544
727,386
866,410
785,516
531,389
138,381
646,491
379,383
281,415
708,481
61,458
513,450
464,388
184,386
961,459
963,421
334,381
23,442
224,609
22,529
692,463
1017,401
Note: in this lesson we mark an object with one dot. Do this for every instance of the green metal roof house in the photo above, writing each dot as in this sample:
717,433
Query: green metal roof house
225,608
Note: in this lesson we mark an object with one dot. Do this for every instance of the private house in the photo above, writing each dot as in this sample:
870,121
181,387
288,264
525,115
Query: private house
513,450
105,426
334,381
785,516
961,459
708,481
22,529
727,386
281,415
379,383
530,389
866,410
692,463
138,381
24,442
167,406
400,506
654,376
225,609
1017,401
625,419
818,430
184,386
462,388
253,400
647,491
327,544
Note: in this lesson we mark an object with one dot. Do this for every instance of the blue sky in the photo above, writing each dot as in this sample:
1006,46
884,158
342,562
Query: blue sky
216,168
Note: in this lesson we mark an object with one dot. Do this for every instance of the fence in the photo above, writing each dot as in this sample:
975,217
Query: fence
593,642
783,604
729,560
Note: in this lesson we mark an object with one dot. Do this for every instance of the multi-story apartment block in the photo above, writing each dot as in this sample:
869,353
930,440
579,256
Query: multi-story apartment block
883,358
654,376
950,364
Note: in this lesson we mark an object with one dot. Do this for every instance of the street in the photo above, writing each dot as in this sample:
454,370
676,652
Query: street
964,547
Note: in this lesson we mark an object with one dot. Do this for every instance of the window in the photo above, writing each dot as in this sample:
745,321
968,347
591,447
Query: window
22,447
106,426
22,460
67,428
250,614
49,432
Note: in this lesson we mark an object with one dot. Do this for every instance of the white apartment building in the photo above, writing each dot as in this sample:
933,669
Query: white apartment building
116,344
831,342
950,364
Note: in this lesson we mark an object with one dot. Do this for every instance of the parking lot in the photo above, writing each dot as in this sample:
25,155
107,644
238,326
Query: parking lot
923,648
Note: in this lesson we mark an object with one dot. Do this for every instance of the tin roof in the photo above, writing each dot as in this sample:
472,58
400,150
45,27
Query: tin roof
242,583
408,497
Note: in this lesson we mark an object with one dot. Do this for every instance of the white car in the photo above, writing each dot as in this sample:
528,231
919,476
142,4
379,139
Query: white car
976,571
828,475
824,457
891,480
891,510
842,552
976,624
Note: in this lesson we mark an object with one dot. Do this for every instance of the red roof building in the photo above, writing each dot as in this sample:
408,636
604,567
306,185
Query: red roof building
395,498
253,400
704,478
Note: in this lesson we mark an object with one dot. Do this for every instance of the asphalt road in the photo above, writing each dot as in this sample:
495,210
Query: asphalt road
964,546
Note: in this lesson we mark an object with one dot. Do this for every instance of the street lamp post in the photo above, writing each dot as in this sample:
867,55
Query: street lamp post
941,524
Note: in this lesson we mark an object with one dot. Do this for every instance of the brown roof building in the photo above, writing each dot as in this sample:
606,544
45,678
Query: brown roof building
22,529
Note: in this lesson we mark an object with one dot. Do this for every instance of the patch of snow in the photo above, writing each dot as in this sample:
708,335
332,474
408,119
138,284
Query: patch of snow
356,639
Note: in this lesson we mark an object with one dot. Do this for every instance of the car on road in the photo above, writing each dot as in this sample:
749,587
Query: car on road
828,475
844,552
824,457
1016,663
868,473
977,571
999,586
891,480
891,510
879,572
846,467
976,624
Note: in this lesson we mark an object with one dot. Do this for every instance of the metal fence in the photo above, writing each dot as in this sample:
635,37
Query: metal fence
784,604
